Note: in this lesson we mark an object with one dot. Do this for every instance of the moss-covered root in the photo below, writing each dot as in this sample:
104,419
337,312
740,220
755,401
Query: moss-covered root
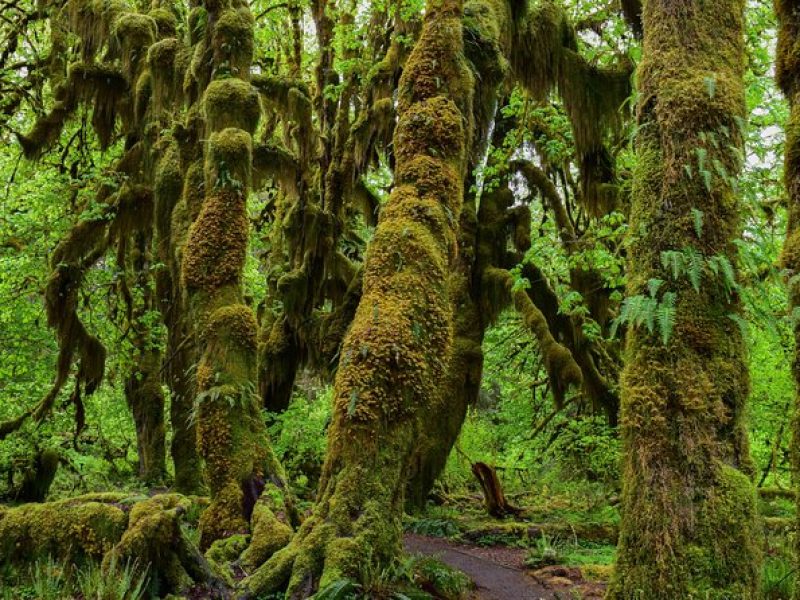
788,77
395,354
154,541
689,523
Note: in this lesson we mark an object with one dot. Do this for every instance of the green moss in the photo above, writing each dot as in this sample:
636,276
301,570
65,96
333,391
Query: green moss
76,529
134,33
395,354
92,21
233,41
217,245
166,22
224,552
231,103
229,159
164,62
270,534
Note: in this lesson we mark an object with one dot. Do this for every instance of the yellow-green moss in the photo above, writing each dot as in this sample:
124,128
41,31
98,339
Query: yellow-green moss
217,245
233,41
229,159
394,356
74,529
166,22
134,33
231,103
270,534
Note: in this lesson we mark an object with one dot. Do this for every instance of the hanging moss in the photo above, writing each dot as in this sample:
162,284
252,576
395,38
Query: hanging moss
166,75
231,103
166,23
544,57
46,130
134,33
38,477
92,21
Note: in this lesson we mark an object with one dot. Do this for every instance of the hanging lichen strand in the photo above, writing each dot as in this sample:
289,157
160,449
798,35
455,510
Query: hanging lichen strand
395,353
788,77
689,518
231,432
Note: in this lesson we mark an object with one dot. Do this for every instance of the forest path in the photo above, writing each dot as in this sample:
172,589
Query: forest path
498,573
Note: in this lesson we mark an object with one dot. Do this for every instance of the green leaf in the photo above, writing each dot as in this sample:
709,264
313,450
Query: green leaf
710,84
666,317
343,589
695,271
697,216
653,286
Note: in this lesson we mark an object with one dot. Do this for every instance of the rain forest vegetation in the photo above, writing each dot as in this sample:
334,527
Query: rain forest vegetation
303,297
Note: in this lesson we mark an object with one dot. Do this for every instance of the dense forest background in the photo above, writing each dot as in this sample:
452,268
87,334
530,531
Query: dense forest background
188,195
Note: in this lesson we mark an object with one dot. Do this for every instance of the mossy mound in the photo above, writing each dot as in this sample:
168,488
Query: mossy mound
231,103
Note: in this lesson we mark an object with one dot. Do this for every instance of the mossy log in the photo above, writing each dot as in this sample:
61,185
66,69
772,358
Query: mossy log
112,528
689,516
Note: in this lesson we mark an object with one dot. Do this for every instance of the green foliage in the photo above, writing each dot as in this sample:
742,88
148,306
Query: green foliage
546,551
299,437
656,315
115,582
442,528
48,579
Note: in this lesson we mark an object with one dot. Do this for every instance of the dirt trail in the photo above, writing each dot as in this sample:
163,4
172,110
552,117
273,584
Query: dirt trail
497,572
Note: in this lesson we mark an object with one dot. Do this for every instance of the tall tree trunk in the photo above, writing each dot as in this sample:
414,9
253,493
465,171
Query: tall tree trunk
788,76
146,401
231,432
689,518
143,392
171,224
395,355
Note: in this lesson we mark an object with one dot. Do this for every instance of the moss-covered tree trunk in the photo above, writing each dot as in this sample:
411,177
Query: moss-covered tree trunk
788,77
146,401
231,433
394,357
171,225
689,520
143,392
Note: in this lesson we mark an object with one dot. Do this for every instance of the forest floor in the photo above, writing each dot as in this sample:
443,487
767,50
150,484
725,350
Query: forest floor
500,573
